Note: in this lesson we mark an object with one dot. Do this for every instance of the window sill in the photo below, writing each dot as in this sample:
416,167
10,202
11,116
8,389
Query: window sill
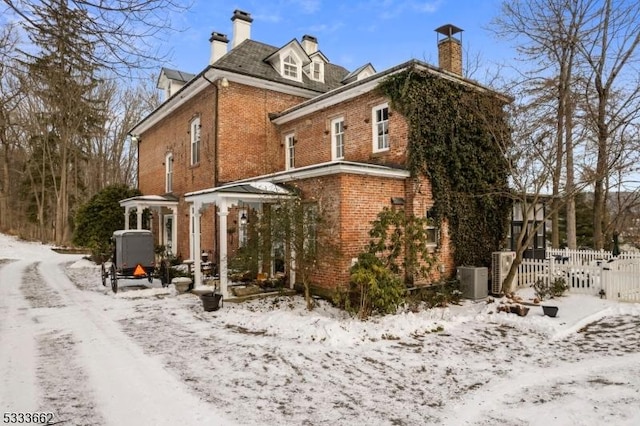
380,152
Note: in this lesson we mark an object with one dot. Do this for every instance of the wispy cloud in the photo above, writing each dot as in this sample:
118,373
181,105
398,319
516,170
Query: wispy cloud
307,6
390,9
326,28
273,17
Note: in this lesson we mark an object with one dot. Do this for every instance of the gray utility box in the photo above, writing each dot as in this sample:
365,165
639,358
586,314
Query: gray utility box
474,282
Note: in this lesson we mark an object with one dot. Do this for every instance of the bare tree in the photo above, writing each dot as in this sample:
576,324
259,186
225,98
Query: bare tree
612,90
9,100
113,153
547,31
124,32
532,160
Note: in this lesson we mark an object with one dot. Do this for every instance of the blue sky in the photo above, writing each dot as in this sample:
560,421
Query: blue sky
350,33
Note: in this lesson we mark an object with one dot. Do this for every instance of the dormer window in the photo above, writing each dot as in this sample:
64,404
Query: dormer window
290,68
316,71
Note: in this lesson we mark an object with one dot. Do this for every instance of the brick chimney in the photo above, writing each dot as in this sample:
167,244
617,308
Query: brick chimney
241,27
218,46
450,49
309,44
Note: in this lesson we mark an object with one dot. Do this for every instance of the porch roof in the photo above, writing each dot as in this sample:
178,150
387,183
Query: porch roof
247,191
144,201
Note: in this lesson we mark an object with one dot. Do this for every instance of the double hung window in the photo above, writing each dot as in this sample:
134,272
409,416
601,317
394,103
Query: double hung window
380,128
194,131
290,154
337,138
168,167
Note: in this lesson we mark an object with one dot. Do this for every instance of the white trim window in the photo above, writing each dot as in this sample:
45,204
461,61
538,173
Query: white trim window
432,231
380,121
337,138
290,151
194,131
316,70
291,67
168,172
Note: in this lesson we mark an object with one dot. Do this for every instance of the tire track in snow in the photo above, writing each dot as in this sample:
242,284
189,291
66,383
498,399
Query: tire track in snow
35,290
132,387
64,382
17,343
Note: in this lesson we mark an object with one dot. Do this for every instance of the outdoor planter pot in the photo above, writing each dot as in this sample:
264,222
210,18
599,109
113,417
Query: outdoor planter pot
181,284
211,301
550,311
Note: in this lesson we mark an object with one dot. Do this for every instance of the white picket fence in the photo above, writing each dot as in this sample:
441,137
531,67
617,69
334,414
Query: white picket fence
586,257
597,273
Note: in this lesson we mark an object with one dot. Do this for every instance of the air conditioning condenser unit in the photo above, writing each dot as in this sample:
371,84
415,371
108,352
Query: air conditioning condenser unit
474,282
501,262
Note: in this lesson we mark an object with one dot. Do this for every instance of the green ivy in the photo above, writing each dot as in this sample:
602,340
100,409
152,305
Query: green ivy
454,131
400,241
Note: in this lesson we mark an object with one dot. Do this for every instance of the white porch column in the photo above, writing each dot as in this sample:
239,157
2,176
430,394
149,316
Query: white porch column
292,269
197,273
174,230
139,210
223,211
126,217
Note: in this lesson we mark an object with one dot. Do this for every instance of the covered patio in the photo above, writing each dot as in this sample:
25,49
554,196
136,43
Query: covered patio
252,194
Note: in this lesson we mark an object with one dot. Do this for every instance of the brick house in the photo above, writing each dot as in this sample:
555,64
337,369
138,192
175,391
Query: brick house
259,120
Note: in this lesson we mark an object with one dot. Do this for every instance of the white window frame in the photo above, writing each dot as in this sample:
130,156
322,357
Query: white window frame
432,228
194,131
316,71
380,128
337,138
168,172
290,151
291,67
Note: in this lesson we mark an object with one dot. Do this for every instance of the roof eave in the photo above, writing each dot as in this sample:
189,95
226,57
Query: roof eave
365,85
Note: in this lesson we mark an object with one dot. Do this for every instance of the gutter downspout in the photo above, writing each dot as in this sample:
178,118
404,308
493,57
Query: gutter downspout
216,121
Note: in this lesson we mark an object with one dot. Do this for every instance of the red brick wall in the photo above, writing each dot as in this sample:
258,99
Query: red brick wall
349,204
248,146
172,135
313,134
248,141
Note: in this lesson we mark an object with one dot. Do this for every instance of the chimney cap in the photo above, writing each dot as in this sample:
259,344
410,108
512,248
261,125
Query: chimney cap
310,38
242,15
448,30
219,37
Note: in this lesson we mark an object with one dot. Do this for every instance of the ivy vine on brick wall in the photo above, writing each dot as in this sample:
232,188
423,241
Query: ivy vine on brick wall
455,132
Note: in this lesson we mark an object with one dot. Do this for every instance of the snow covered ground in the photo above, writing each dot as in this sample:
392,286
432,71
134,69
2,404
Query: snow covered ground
148,356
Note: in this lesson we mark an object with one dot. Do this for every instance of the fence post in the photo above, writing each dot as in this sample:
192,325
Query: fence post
551,270
603,279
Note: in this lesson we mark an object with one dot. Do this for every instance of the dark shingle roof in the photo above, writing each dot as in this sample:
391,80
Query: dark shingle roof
352,76
249,58
177,75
